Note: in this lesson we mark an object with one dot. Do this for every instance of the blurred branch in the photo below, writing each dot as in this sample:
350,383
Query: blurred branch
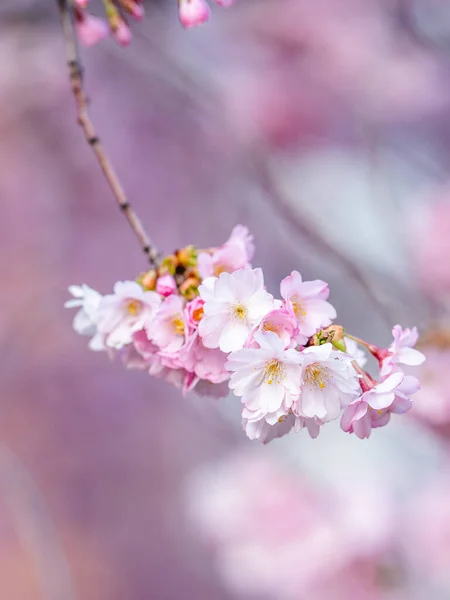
76,79
35,528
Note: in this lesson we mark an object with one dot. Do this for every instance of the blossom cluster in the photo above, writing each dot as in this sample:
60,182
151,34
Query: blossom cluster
92,29
204,321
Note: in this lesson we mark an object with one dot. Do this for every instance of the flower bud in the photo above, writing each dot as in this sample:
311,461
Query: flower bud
166,285
192,12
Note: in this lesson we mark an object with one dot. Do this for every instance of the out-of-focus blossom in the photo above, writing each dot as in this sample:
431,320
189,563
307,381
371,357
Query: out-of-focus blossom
90,29
193,12
274,535
425,530
238,302
85,321
307,301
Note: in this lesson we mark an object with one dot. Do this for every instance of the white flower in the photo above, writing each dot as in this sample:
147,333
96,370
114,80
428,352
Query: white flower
127,310
330,382
267,378
85,320
232,308
355,351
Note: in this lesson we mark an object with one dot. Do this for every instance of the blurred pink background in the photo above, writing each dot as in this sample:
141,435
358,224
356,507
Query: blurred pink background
321,126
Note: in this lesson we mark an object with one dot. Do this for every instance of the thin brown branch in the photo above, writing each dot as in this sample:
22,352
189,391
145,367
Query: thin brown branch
84,120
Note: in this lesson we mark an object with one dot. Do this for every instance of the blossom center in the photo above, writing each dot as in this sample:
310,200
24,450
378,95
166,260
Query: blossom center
134,307
316,376
268,326
239,312
178,325
197,314
274,371
298,307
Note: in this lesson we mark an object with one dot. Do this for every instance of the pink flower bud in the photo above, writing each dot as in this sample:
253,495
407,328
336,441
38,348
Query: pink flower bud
192,12
166,285
90,29
122,33
81,3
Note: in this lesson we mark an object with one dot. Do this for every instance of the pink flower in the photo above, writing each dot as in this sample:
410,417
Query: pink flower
166,285
168,330
90,29
192,12
267,378
280,321
206,363
373,409
126,311
307,301
236,303
236,253
401,350
329,383
194,313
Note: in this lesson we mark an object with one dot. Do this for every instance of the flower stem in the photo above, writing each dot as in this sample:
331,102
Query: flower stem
84,120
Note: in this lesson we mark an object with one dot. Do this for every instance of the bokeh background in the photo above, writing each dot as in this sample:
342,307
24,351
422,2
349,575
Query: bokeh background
325,128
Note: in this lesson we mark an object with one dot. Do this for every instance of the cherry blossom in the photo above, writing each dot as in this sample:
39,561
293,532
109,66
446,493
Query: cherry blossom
236,253
238,302
267,378
168,329
307,300
401,350
329,383
124,312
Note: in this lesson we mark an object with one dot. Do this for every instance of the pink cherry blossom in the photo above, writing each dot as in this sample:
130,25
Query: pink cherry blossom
307,300
267,378
374,407
401,350
194,313
90,29
236,253
206,363
237,302
329,383
124,312
168,329
193,12
280,321
166,285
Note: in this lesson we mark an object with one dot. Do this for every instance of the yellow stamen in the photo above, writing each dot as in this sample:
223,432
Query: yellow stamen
239,312
134,307
316,376
178,325
297,307
270,327
274,371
